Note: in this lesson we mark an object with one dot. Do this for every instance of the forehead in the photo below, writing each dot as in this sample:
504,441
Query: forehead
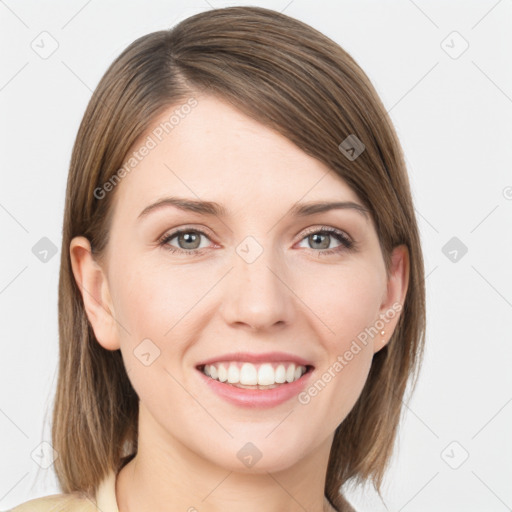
216,152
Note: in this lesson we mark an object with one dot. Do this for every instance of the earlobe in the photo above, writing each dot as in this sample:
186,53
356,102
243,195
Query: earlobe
393,302
93,285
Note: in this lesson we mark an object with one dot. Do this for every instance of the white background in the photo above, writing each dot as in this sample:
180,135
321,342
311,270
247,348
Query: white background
454,120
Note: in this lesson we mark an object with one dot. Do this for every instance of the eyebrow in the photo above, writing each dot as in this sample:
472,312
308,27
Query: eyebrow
216,209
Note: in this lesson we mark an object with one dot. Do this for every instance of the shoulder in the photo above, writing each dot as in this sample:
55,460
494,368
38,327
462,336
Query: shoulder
57,503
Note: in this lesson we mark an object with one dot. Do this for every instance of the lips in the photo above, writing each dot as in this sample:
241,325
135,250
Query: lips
256,396
260,397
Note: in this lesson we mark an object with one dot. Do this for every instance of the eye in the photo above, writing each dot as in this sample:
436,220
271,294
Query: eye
321,239
189,239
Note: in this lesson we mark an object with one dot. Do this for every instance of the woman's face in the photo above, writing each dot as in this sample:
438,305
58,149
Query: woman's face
255,278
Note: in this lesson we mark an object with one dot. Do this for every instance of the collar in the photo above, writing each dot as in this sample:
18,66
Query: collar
106,494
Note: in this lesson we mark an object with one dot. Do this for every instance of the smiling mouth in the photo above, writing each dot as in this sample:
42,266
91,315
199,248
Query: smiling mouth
245,375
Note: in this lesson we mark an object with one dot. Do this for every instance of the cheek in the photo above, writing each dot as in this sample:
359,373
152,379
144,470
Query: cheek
346,300
154,305
155,300
348,383
349,305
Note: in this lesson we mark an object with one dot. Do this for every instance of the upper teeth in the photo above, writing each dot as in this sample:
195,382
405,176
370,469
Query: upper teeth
265,374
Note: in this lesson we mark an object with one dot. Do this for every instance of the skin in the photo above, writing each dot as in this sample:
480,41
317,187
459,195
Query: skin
289,299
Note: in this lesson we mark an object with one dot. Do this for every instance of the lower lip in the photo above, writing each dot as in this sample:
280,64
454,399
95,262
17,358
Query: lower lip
263,398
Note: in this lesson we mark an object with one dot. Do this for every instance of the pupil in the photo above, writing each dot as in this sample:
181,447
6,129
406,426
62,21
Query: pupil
315,240
189,239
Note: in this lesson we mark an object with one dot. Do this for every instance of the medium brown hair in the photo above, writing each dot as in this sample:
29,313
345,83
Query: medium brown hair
295,80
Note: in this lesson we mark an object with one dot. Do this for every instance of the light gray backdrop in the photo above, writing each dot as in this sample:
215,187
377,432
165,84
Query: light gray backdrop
443,70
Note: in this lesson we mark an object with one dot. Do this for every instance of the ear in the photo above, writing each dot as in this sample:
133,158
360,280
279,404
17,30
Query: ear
93,285
394,297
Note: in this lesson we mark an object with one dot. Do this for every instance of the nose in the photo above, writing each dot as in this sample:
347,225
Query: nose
257,294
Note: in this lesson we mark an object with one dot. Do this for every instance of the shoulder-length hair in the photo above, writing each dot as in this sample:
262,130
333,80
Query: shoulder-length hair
295,80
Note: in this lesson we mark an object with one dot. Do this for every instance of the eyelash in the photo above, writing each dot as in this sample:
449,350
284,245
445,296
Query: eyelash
346,243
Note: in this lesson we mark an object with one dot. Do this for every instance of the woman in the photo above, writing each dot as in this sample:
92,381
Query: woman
241,295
